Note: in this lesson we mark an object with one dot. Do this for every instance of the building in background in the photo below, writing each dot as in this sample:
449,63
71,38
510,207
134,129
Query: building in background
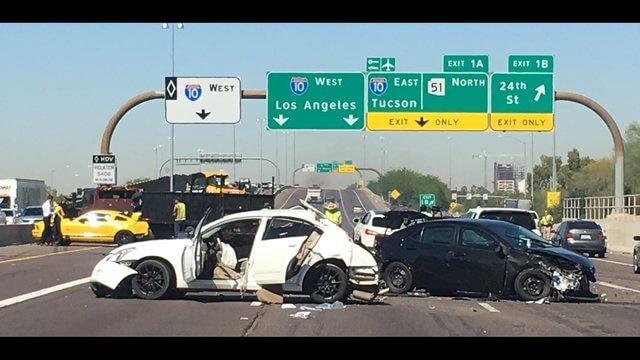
504,177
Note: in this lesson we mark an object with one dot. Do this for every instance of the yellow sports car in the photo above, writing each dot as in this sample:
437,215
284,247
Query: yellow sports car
105,226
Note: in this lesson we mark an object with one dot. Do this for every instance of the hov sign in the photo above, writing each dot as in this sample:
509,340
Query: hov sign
104,169
202,100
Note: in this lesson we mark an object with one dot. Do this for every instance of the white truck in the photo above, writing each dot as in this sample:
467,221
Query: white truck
314,195
17,194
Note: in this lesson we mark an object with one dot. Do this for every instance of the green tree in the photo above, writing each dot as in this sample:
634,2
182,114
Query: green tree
632,158
411,184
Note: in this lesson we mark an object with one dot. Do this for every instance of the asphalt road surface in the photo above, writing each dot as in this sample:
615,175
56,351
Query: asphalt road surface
45,292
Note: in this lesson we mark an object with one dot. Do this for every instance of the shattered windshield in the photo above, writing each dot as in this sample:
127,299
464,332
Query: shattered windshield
520,237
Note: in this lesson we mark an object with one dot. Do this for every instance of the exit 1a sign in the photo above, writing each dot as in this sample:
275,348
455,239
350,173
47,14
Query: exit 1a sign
466,63
315,101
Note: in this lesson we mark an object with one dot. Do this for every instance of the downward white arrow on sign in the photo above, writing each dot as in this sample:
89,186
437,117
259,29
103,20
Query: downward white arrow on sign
540,90
350,120
280,119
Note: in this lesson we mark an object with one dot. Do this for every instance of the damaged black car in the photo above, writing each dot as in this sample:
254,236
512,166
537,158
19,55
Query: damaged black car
485,257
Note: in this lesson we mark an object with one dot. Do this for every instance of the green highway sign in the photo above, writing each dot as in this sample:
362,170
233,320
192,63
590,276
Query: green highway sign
335,166
324,167
348,162
531,63
428,199
428,101
466,63
387,64
315,101
522,101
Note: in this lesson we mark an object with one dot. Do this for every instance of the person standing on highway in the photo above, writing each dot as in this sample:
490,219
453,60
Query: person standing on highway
332,212
58,214
546,224
179,217
47,212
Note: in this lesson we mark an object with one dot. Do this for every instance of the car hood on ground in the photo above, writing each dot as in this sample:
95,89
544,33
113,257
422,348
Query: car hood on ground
565,254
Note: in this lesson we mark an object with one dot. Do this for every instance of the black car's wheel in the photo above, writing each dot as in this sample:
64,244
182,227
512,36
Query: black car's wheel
532,284
123,237
100,290
636,266
152,281
602,254
327,283
398,278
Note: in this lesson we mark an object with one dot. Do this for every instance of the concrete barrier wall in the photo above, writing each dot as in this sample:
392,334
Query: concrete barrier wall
376,199
15,234
620,230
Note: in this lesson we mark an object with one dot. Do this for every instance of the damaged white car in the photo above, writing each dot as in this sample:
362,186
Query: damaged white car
290,250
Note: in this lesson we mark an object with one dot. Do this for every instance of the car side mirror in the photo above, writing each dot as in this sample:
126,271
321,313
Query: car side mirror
636,238
356,220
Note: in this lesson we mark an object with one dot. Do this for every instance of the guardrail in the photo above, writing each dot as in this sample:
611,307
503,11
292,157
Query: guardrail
598,207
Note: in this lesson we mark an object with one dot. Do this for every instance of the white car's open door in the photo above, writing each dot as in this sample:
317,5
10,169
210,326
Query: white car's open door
192,258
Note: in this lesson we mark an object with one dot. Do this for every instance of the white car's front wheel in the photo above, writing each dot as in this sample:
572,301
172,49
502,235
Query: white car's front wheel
152,281
327,283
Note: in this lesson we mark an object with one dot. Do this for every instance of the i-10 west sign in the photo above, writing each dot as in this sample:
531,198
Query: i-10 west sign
428,101
315,101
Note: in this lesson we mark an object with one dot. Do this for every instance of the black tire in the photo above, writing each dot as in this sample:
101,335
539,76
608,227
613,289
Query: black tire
398,278
153,280
150,235
327,283
100,290
602,254
532,285
189,229
123,237
636,266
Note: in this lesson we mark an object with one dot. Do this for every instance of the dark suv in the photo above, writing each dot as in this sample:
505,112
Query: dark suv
583,236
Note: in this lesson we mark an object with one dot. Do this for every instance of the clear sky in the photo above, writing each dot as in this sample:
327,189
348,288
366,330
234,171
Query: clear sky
62,82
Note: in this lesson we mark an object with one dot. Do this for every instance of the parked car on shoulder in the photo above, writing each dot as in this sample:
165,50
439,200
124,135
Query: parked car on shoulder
29,215
636,255
298,249
583,236
485,257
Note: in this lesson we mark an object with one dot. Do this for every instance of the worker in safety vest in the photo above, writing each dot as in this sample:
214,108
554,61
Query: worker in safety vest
179,217
546,224
332,212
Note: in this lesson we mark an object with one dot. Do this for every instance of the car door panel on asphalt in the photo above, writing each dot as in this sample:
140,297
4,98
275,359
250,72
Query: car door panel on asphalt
476,263
433,267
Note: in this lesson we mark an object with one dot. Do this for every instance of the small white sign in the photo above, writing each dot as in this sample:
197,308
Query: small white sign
468,196
454,196
202,100
485,197
104,169
436,86
309,168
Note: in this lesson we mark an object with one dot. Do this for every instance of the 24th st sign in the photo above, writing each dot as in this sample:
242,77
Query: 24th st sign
315,101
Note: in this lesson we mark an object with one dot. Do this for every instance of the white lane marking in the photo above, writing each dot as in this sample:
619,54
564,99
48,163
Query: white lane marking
35,294
489,307
613,262
45,255
346,214
286,201
360,201
617,286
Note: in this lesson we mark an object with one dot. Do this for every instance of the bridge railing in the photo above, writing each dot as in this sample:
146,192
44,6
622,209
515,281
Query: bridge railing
598,207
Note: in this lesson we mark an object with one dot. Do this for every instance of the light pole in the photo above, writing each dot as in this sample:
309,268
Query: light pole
286,155
449,138
234,151
382,153
532,166
156,150
173,73
483,155
261,126
294,151
364,150
200,158
554,179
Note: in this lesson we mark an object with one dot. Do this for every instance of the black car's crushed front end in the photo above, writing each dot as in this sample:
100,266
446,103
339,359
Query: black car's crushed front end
570,281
